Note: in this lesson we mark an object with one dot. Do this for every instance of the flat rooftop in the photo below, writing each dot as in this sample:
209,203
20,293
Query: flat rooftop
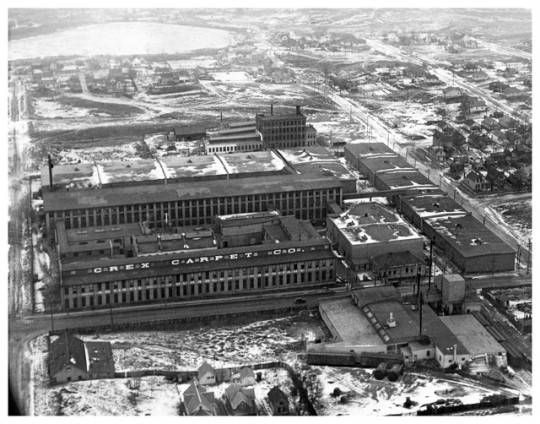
371,223
193,166
406,327
350,324
307,154
138,170
467,235
380,163
476,339
433,205
239,163
405,178
328,168
368,149
119,196
81,235
79,176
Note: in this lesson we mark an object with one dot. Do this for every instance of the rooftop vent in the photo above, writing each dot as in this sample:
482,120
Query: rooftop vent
436,205
391,322
76,169
128,166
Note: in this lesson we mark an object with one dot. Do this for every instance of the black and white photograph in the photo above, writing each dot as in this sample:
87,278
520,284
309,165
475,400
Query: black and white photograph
279,209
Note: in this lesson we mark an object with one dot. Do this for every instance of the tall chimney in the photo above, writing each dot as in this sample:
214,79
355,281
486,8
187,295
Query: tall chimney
51,166
297,109
272,109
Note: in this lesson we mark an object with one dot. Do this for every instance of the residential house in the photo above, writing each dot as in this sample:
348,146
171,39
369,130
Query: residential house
240,401
471,67
476,105
507,122
512,92
432,79
495,178
489,124
198,401
513,137
479,141
475,181
478,76
497,86
471,125
206,374
71,359
247,377
452,92
498,136
438,153
279,404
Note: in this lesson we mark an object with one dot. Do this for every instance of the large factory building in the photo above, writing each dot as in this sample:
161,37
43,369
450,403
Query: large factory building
241,253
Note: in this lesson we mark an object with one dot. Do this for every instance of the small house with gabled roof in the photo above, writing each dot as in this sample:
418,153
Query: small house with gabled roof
279,403
206,374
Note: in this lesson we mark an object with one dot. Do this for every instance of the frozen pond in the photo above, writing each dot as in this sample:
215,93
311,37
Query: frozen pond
120,38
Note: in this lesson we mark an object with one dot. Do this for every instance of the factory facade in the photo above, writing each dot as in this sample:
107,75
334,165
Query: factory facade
275,252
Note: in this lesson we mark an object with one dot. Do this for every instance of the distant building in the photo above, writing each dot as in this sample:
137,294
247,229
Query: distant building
282,131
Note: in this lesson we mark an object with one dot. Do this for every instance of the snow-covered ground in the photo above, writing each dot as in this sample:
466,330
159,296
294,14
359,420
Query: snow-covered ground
368,396
231,77
515,216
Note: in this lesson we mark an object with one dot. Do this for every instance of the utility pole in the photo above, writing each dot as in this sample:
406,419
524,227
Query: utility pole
110,310
430,263
529,258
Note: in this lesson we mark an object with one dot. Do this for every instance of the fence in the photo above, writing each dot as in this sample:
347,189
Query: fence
488,402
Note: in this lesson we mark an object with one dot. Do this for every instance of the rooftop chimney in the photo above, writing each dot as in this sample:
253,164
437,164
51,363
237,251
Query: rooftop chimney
51,166
391,322
298,110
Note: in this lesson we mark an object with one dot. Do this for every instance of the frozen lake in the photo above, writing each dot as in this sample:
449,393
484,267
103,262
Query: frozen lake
120,38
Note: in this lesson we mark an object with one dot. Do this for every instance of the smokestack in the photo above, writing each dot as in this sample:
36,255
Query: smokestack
51,166
298,110
221,118
271,109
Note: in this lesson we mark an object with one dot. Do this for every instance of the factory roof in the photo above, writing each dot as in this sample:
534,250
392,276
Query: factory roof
265,161
191,166
329,168
241,124
107,197
236,130
432,205
468,236
350,324
307,154
79,176
386,164
408,178
371,223
251,136
476,339
368,149
393,259
138,170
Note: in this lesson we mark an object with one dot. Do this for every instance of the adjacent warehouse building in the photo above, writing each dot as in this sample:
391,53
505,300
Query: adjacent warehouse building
368,230
316,160
470,245
274,252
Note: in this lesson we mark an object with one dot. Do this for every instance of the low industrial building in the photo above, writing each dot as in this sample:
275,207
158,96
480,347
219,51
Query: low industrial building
368,230
316,160
244,253
469,244
71,359
354,152
475,338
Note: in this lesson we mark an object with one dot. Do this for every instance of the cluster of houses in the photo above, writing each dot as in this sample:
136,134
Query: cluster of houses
72,359
330,42
506,142
239,396
453,42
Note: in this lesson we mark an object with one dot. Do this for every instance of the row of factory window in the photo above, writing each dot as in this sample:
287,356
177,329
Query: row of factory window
296,123
204,211
235,148
144,290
